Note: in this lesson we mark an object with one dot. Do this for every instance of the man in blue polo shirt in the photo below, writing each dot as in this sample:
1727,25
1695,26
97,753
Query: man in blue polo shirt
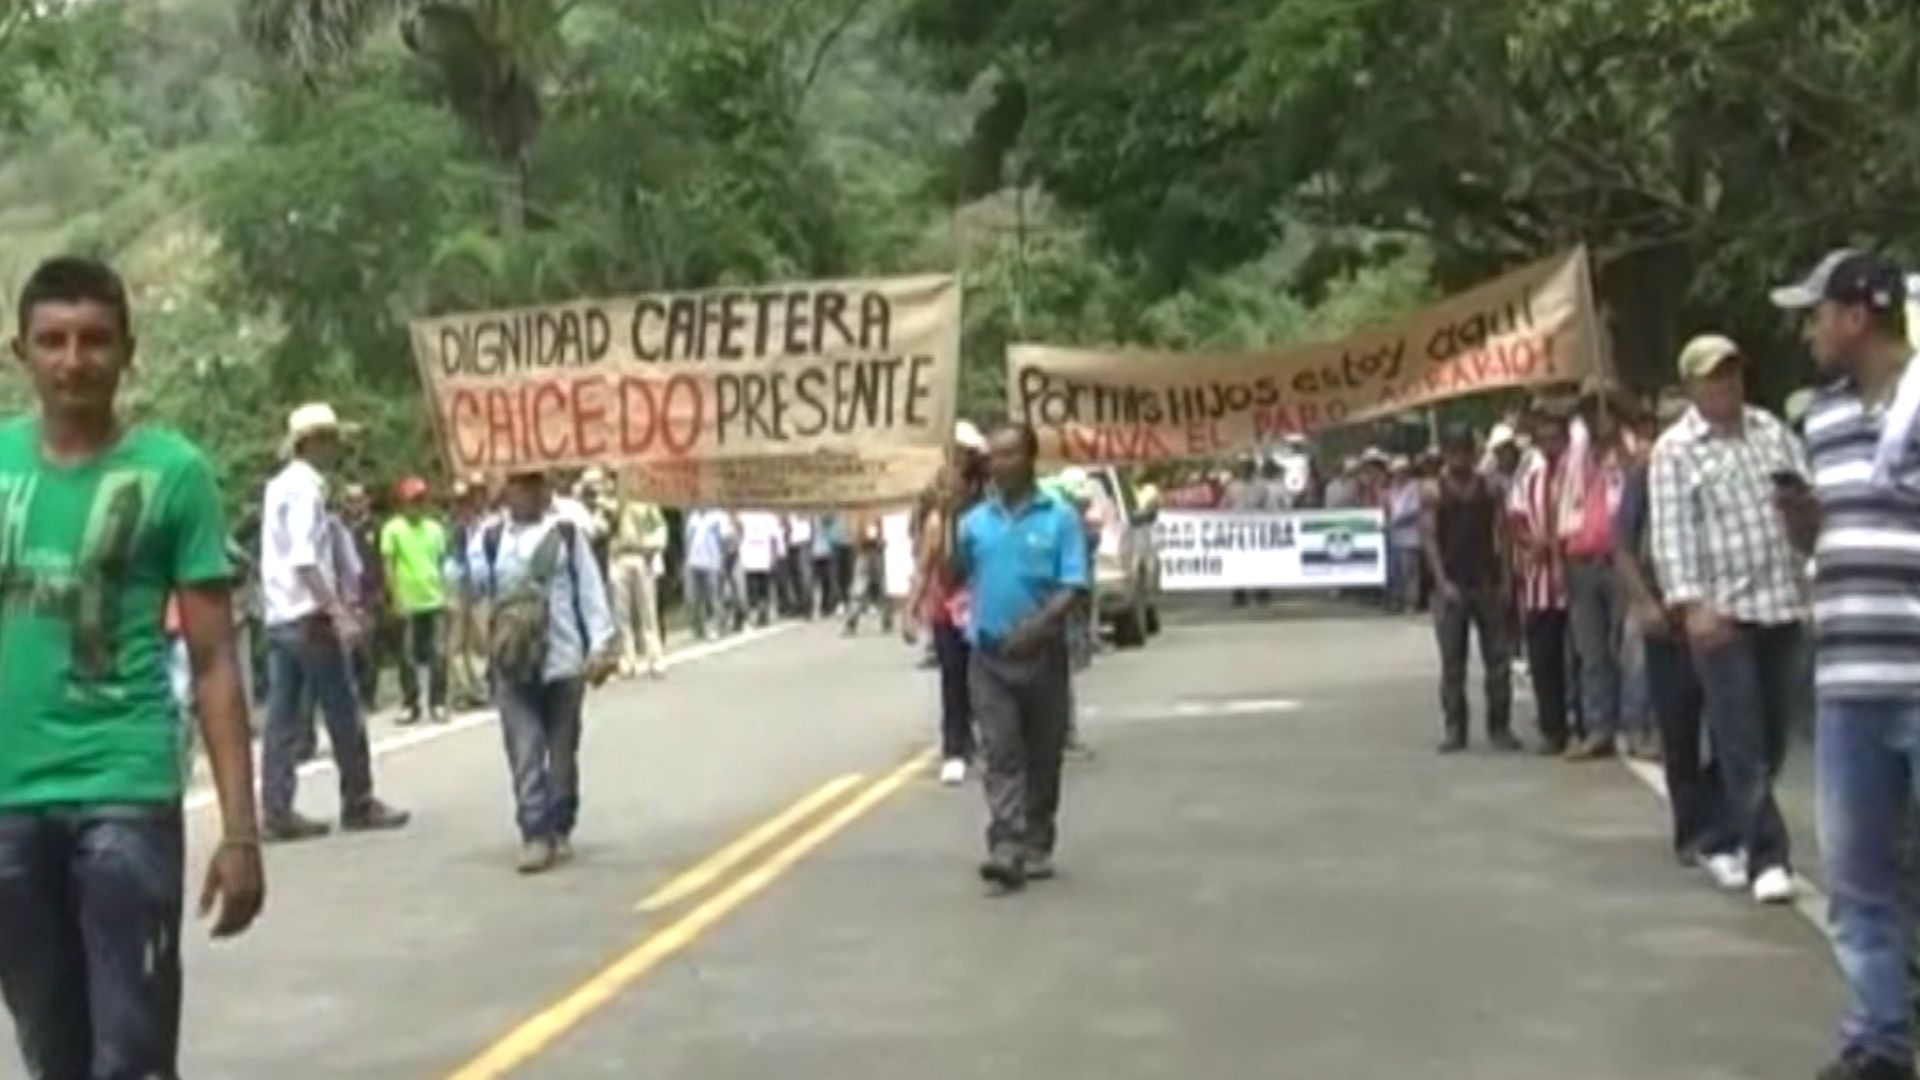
1024,557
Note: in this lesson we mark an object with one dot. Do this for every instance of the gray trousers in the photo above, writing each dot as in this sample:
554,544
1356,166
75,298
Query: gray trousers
1021,707
541,726
1597,611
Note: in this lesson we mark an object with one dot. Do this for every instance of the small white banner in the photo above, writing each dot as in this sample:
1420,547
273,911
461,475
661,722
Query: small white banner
1297,549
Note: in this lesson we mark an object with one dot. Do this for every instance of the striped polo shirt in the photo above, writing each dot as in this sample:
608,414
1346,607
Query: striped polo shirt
1867,562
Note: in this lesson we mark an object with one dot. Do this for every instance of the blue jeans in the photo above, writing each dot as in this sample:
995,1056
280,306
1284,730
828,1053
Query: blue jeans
541,725
305,657
1753,686
1596,614
1865,758
90,901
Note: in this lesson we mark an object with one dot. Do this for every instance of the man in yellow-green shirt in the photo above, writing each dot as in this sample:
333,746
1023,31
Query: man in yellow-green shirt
413,546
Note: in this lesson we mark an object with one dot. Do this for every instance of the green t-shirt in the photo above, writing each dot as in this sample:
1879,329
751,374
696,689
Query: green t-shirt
415,554
89,555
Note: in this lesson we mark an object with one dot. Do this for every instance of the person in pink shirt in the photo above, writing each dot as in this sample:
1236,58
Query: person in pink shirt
1589,497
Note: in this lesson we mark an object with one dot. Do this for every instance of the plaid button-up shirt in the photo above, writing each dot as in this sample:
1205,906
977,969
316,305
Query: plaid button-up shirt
1717,538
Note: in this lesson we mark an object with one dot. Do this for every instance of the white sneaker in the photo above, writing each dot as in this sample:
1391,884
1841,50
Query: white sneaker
1773,886
953,772
1727,869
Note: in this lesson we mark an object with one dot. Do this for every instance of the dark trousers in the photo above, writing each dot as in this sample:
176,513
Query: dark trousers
759,595
1754,684
1693,784
90,901
541,725
956,702
826,576
307,656
1481,613
1022,706
1547,668
423,643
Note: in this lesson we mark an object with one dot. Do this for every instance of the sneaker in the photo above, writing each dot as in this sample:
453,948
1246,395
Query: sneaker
1774,886
1591,748
536,856
1003,876
562,849
292,829
442,715
408,718
1728,869
1453,744
1856,1065
375,816
1505,742
1552,748
1039,868
953,772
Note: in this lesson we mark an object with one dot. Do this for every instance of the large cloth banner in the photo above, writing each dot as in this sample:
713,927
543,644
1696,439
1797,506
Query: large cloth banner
826,394
1109,406
1202,550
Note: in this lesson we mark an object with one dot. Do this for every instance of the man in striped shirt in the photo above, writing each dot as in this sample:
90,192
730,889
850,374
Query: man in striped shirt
1864,509
1532,514
1721,553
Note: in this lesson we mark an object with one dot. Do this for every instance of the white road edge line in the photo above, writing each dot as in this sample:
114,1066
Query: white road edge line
1808,900
205,797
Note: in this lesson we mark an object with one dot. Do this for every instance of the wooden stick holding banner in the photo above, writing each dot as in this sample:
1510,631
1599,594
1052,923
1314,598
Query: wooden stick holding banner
1533,326
821,394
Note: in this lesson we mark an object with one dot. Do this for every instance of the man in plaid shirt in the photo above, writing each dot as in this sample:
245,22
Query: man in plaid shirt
1722,555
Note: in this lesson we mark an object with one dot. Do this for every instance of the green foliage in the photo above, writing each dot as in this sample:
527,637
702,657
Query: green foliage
1699,148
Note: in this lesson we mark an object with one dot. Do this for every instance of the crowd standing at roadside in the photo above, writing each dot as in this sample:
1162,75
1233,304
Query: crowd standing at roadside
1688,577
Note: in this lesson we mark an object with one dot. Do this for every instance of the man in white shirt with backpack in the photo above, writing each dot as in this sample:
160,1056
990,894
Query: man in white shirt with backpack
550,635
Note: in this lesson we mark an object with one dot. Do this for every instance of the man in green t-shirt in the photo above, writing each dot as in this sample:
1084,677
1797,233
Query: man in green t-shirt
413,547
100,522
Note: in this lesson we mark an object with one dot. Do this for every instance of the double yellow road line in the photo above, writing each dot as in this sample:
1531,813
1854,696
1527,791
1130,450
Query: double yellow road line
542,1029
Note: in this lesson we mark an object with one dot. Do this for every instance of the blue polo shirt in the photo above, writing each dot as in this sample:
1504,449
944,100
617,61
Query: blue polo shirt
1017,560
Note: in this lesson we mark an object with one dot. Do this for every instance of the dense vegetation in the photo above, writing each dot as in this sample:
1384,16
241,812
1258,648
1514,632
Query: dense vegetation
287,181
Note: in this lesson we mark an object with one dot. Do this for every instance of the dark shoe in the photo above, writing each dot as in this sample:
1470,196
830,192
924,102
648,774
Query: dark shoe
1453,744
408,718
1591,748
1505,742
562,849
536,856
1552,748
1039,868
1858,1066
292,829
1003,876
1644,747
375,816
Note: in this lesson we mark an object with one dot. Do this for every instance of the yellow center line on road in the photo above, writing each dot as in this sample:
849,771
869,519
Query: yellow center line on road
713,866
541,1030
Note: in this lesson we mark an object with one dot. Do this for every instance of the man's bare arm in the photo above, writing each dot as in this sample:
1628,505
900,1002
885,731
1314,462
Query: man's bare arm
235,879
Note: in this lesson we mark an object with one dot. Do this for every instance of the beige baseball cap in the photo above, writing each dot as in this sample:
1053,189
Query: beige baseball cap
1704,354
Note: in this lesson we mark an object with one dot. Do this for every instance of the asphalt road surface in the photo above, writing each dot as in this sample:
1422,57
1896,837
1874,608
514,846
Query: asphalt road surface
1265,872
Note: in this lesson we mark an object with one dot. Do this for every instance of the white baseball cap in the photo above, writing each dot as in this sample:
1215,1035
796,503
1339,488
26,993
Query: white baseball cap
965,434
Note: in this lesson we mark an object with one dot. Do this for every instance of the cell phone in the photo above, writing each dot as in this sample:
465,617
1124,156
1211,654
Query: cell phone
1788,478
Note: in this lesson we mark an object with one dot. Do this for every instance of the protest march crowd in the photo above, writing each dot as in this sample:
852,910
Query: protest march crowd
1686,575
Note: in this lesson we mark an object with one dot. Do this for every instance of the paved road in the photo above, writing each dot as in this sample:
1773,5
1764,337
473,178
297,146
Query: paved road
1265,873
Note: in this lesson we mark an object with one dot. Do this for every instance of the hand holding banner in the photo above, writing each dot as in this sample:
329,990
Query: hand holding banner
1532,326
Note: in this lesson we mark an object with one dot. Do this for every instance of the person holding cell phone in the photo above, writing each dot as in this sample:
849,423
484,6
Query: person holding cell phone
1723,560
